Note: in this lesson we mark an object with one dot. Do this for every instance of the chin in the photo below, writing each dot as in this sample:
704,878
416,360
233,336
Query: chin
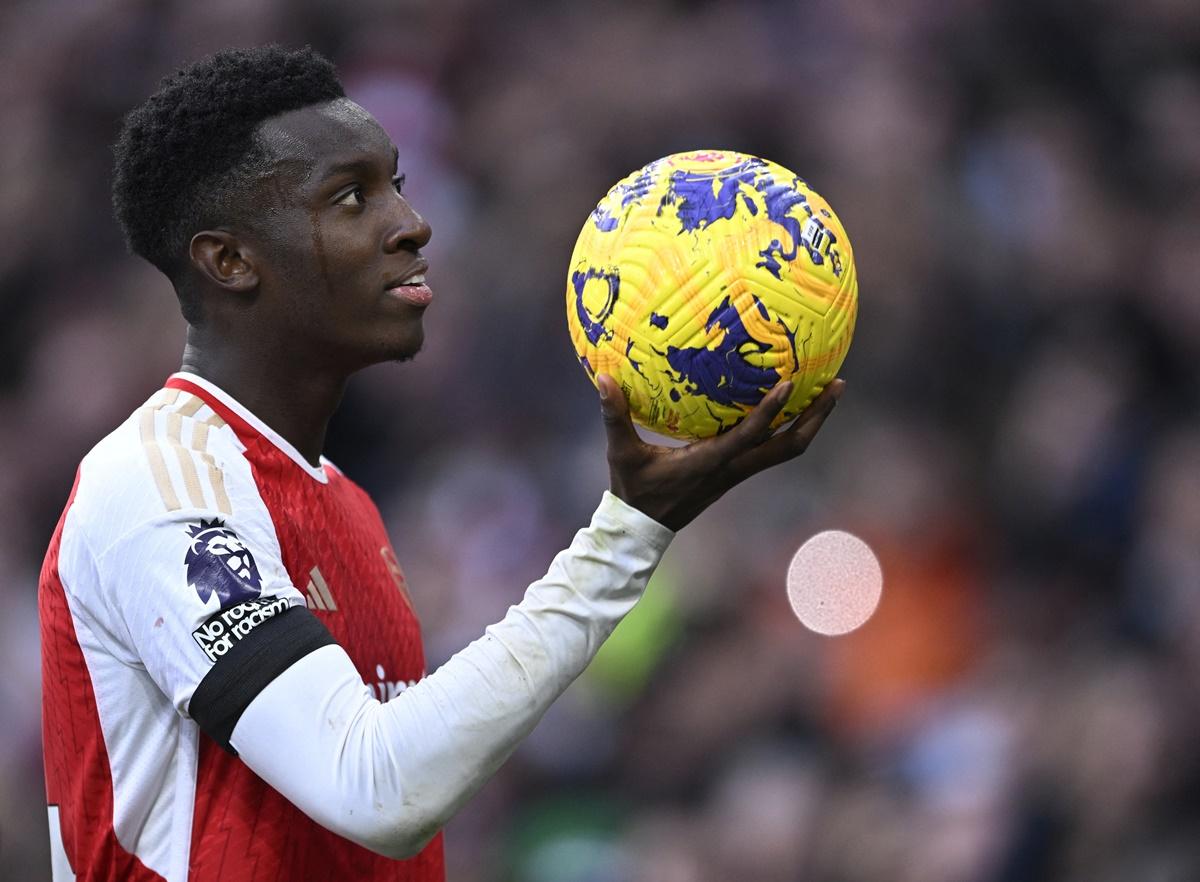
405,347
385,343
406,356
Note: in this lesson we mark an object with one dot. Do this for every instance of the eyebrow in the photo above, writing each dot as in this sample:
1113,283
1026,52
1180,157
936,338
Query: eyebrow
354,165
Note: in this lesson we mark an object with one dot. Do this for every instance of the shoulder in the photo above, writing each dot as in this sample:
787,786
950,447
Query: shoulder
168,499
170,457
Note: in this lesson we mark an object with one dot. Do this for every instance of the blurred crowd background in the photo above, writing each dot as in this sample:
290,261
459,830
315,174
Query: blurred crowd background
1019,440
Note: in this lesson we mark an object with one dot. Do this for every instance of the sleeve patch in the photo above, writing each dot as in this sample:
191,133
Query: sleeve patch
218,562
227,627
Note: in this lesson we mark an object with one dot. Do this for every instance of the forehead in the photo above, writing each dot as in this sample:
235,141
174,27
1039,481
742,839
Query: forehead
313,139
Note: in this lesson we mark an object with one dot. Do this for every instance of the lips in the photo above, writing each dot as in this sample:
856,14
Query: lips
414,295
411,288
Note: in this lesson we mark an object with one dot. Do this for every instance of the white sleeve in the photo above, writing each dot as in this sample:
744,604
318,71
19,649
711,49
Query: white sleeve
389,775
194,597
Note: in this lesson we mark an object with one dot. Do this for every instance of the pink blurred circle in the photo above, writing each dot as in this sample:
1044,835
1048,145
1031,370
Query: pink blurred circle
834,582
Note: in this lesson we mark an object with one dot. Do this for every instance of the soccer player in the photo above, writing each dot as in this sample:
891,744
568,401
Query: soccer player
218,596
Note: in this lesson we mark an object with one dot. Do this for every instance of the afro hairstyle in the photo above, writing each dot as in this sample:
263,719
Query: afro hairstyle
186,155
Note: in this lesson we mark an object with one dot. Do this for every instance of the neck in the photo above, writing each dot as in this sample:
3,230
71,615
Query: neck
296,400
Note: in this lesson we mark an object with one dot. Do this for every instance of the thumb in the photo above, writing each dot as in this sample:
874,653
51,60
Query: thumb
614,408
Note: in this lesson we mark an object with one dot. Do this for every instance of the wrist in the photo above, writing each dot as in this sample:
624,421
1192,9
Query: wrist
634,518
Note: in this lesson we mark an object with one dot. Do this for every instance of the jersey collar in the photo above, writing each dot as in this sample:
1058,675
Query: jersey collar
242,420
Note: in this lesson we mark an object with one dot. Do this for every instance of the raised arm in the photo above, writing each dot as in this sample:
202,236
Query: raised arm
389,775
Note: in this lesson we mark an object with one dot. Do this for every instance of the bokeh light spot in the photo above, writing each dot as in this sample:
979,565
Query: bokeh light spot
834,582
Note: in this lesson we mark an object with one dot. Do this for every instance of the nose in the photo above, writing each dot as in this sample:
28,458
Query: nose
408,229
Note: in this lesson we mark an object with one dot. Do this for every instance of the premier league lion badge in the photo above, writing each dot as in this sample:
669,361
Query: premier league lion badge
218,562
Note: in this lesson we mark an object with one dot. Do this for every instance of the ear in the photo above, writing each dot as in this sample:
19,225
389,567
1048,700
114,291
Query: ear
224,260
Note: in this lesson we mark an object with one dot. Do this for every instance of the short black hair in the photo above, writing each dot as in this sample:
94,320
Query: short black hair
187,153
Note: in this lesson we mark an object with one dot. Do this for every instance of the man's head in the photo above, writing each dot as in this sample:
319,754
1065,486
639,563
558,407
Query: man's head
270,201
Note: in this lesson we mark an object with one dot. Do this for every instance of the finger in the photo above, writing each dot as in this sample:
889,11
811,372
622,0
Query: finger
614,409
756,427
794,440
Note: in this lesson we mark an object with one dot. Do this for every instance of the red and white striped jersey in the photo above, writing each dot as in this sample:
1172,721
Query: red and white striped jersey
198,557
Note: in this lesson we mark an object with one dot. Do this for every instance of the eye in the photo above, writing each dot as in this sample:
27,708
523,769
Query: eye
351,197
398,183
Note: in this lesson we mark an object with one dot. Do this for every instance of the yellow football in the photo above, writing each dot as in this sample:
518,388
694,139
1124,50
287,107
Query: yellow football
701,281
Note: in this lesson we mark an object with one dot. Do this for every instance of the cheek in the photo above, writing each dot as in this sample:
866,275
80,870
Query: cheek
290,264
341,259
317,243
325,270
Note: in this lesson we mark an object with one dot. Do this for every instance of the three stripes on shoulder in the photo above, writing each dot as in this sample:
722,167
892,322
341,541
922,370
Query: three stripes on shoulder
178,451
